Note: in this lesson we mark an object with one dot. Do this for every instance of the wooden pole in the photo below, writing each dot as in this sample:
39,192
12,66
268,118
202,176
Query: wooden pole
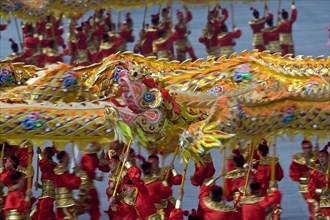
184,174
144,16
29,168
37,178
121,169
19,35
224,159
119,15
232,14
3,150
173,159
273,173
73,154
278,10
249,169
327,178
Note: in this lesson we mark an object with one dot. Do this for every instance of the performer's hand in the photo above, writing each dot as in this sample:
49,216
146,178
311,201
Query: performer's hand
112,201
103,162
37,185
102,155
28,194
124,156
273,184
99,178
112,185
266,7
76,169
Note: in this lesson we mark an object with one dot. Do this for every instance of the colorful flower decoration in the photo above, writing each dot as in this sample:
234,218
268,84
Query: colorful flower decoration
242,73
32,121
288,118
6,76
217,90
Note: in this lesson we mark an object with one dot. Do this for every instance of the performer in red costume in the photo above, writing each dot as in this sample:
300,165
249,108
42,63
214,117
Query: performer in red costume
159,191
173,178
285,26
16,203
6,171
318,185
210,39
203,171
264,167
134,205
30,47
147,36
126,33
226,40
271,36
88,198
300,171
211,202
180,36
23,155
65,182
256,206
235,179
79,46
45,204
109,46
51,55
257,24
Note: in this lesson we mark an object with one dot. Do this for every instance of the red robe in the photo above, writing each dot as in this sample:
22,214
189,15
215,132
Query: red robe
285,28
145,209
226,41
15,201
66,180
263,174
176,214
209,210
202,173
45,204
316,181
257,25
257,210
89,163
271,36
145,45
297,170
210,40
233,181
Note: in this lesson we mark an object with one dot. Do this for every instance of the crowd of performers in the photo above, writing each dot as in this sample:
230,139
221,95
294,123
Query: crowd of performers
98,37
144,189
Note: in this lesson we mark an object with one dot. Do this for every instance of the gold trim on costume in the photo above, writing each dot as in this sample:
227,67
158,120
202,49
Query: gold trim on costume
13,215
234,174
64,197
219,206
48,189
251,199
286,39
